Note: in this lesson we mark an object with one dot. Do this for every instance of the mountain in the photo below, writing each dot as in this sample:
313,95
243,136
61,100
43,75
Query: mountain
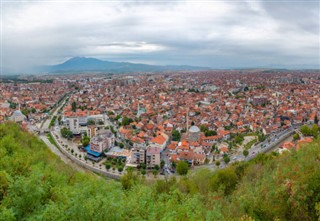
77,64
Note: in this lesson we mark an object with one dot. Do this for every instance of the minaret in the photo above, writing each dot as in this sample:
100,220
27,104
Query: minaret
187,121
138,112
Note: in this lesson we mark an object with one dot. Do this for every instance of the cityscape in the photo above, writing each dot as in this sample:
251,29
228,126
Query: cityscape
151,122
120,110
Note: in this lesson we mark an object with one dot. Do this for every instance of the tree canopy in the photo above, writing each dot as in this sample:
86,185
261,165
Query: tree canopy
36,185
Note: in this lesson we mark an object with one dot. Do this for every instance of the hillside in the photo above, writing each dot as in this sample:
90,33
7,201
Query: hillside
79,64
36,185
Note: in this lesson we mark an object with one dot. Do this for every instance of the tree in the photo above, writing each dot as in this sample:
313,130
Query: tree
305,130
210,133
120,169
245,153
296,137
155,172
156,167
175,135
91,122
66,133
74,106
182,167
226,159
128,180
143,166
33,110
314,130
143,172
218,163
108,166
121,145
203,128
173,164
316,120
162,163
126,121
85,141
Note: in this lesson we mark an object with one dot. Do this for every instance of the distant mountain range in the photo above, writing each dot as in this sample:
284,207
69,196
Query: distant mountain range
78,64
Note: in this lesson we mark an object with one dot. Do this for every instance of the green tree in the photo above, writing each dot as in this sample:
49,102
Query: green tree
316,120
226,159
296,137
162,163
175,135
182,167
128,180
85,141
120,169
305,130
203,128
245,153
156,167
155,172
108,166
126,121
74,106
314,130
66,133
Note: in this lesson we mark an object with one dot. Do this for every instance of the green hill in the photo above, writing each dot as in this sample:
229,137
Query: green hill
36,185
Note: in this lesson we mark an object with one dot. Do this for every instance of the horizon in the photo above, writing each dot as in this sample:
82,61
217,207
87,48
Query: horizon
218,35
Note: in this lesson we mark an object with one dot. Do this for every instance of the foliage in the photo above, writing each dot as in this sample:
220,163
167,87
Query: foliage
226,159
53,120
126,121
74,106
245,153
85,141
310,131
249,144
206,131
182,167
296,137
175,135
66,133
36,185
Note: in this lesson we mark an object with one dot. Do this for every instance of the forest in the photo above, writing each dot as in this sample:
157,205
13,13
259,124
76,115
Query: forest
36,185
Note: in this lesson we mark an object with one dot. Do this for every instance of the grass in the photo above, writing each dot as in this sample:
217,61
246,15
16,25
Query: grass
52,141
249,144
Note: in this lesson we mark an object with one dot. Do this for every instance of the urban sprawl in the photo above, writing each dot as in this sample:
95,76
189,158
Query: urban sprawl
151,122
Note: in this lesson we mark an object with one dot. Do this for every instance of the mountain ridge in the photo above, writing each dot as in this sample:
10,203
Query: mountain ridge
78,64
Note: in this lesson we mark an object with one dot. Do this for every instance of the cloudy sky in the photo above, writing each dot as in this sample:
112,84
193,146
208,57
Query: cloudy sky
217,34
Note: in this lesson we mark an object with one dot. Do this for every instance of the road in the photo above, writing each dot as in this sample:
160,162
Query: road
57,152
262,147
53,148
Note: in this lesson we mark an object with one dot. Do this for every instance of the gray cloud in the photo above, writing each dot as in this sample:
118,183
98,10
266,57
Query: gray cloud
214,34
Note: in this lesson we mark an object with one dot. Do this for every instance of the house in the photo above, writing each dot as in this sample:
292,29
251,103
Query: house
159,141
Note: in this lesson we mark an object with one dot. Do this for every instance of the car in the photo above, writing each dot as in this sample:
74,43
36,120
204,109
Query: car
234,158
253,153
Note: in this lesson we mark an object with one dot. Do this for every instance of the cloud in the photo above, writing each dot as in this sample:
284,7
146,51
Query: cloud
216,34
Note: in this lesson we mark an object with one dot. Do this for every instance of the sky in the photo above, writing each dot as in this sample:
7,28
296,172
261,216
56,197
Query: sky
216,34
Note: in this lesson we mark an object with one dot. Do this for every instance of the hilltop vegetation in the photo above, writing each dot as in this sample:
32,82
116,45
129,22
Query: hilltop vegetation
36,185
